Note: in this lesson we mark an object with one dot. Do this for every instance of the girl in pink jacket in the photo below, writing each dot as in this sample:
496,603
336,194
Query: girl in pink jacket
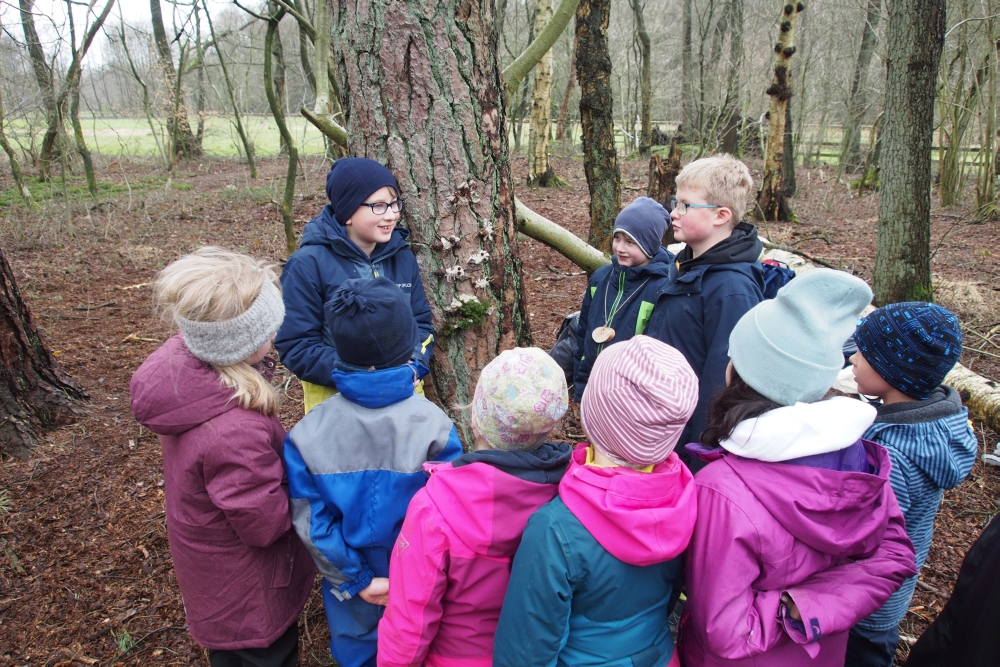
798,535
449,569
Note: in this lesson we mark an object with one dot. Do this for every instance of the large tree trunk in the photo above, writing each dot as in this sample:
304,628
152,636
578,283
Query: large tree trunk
34,393
857,104
645,78
771,201
539,170
600,158
567,96
902,256
438,125
182,140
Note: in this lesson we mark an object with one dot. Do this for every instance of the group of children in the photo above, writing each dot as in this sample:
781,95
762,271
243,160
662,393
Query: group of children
797,542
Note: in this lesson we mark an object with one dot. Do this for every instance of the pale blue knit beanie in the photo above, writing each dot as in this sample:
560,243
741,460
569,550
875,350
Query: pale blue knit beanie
789,348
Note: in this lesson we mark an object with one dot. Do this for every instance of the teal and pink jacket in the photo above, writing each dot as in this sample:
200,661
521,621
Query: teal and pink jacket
451,563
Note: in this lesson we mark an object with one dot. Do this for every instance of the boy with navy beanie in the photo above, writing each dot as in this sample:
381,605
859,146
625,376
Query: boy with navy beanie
354,237
905,350
355,460
619,297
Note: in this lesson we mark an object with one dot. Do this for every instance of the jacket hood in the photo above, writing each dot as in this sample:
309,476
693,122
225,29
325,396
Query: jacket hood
941,418
639,518
843,514
326,230
659,266
173,392
743,245
799,430
487,497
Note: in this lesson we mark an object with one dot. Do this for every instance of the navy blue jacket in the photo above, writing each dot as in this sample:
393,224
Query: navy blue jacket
324,260
611,285
697,311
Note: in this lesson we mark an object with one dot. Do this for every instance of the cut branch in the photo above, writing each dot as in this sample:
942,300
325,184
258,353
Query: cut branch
560,239
327,126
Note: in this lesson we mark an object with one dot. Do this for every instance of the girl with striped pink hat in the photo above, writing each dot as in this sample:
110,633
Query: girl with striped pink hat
599,567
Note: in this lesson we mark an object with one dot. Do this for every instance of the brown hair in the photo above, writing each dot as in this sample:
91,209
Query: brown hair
734,404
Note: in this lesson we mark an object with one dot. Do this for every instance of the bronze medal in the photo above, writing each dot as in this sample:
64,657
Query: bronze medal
603,334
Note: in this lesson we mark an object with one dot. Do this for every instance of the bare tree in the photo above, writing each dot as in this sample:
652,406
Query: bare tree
182,141
771,201
540,172
600,157
645,77
902,255
857,102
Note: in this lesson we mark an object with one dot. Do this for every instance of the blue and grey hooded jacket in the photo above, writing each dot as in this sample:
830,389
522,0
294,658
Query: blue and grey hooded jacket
932,449
326,258
354,462
628,292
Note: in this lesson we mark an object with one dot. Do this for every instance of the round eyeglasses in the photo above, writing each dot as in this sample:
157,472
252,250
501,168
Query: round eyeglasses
682,208
380,207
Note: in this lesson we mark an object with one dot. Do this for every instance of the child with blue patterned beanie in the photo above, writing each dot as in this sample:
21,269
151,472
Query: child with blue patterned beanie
905,350
356,459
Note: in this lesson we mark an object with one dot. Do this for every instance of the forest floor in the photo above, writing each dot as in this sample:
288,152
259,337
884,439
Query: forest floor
85,569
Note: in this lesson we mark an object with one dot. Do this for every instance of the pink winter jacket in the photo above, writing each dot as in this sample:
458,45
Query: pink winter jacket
449,569
834,541
243,572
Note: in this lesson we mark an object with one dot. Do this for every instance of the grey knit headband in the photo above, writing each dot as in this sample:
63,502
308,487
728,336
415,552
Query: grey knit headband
227,342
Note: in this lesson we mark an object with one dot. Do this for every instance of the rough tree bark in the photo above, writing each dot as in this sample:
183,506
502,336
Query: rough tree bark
440,128
902,255
540,172
857,103
788,184
567,96
600,158
663,171
645,78
183,142
771,201
34,392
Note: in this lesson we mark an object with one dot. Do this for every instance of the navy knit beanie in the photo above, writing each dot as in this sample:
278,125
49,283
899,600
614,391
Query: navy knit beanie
352,180
912,345
645,221
371,323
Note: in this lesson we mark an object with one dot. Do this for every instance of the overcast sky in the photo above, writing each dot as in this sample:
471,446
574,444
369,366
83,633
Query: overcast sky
50,16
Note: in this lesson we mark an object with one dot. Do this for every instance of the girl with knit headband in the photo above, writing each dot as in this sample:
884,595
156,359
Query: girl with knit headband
242,570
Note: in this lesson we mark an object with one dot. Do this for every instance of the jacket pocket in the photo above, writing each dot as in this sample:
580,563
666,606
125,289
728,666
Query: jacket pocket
284,561
648,657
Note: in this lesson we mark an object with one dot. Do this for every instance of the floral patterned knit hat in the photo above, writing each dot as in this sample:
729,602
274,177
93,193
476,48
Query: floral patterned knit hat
520,397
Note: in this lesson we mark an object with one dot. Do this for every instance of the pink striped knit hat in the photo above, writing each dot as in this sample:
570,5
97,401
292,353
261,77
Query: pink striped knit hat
640,395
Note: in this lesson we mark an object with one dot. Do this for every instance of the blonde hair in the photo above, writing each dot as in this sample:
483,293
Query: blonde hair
213,285
723,179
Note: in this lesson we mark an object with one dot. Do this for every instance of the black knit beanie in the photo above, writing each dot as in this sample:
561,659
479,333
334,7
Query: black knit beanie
372,323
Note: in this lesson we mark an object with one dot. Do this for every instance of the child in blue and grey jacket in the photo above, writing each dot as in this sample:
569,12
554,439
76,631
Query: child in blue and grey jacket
619,298
355,461
904,352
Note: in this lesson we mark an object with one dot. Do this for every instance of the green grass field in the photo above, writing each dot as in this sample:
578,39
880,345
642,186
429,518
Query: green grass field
133,136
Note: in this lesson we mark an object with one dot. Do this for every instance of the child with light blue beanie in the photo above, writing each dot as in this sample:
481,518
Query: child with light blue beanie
798,535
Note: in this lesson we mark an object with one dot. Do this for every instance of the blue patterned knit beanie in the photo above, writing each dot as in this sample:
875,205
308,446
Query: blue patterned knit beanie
912,345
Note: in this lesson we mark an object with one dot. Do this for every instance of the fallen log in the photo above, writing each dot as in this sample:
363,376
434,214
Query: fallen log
980,395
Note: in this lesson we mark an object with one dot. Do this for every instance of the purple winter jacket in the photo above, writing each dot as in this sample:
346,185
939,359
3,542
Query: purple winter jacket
242,570
834,541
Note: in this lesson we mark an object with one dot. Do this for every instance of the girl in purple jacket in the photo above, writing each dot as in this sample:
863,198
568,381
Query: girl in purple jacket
798,535
242,570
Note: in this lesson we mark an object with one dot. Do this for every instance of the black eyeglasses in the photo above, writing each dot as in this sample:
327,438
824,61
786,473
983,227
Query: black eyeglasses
682,208
380,207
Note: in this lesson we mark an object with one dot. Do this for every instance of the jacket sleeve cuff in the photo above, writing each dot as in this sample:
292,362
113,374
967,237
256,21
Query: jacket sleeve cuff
351,588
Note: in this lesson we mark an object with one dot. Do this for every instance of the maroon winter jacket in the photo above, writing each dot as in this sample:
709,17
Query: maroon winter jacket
242,570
